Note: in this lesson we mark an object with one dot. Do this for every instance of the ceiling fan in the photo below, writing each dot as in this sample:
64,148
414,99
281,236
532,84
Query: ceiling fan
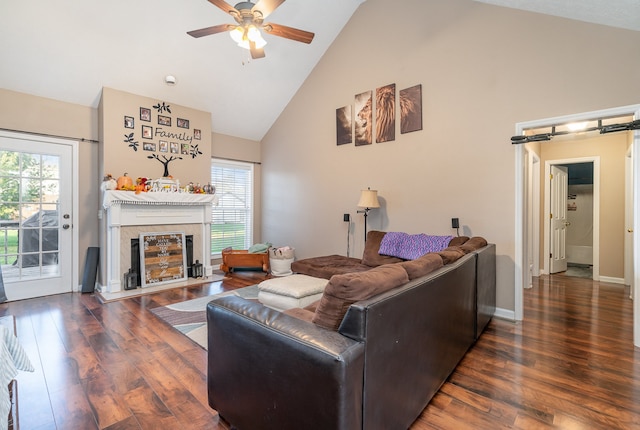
250,20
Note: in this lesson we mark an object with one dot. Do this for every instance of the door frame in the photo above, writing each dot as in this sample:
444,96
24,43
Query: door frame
595,256
521,240
628,217
532,216
75,235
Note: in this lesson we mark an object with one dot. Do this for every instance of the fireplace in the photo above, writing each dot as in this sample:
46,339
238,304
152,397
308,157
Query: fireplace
129,214
135,257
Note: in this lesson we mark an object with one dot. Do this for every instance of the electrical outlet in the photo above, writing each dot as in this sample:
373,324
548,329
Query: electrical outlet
455,223
346,218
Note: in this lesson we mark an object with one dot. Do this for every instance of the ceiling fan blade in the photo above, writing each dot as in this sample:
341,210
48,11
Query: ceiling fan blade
266,6
223,5
288,32
256,52
211,30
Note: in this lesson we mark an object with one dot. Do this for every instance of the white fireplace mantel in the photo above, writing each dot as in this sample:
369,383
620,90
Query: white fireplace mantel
166,209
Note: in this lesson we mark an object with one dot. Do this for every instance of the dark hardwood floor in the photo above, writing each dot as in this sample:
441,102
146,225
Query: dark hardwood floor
570,364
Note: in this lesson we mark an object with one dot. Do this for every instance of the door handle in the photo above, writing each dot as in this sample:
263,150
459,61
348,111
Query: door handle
66,226
629,230
567,223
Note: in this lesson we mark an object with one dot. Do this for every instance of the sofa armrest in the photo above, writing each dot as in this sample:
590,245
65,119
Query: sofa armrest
485,287
266,368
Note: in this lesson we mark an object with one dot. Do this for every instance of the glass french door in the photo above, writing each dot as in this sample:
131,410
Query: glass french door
35,216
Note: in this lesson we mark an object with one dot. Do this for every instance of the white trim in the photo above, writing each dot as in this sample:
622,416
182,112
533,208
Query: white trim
520,242
634,227
505,314
612,280
519,189
75,203
596,209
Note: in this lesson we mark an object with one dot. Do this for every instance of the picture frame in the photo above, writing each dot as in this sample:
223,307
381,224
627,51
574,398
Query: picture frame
386,113
162,258
148,146
184,149
197,134
344,125
164,120
174,148
182,123
145,114
362,118
411,109
128,122
163,146
147,132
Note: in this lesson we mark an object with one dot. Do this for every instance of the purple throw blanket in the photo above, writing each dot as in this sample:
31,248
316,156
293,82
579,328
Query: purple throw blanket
411,246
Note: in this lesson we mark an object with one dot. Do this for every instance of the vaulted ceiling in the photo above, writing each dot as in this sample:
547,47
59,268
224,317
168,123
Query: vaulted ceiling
69,49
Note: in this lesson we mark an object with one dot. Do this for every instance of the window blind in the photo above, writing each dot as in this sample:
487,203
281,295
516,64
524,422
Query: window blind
232,217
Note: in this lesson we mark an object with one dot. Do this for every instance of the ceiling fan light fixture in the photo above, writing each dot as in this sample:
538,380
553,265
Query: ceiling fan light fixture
249,17
244,35
236,34
259,41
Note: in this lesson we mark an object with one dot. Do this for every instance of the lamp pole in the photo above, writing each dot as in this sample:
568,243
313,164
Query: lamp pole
365,211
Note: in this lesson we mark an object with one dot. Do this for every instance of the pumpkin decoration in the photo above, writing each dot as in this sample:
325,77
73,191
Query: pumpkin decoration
125,183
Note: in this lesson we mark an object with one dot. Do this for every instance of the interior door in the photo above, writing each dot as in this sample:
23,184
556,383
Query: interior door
559,223
35,216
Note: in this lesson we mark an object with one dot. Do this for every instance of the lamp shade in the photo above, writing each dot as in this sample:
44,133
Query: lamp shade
369,199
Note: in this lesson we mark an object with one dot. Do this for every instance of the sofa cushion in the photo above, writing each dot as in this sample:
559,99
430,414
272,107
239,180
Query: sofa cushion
371,256
458,240
451,254
473,244
423,265
412,246
328,265
344,290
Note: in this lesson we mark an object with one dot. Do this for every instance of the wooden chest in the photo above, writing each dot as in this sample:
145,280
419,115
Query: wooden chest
243,259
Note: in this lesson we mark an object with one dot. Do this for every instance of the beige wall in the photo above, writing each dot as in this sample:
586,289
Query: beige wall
117,157
483,69
26,113
611,149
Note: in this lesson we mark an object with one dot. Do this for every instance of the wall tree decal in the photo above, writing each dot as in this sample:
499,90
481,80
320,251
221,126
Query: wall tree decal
165,163
128,138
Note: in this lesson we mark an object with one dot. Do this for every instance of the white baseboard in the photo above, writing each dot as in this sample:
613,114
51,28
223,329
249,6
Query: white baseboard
612,280
505,314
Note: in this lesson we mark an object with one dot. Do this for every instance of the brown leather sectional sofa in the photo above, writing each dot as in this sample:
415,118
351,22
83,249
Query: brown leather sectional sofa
378,369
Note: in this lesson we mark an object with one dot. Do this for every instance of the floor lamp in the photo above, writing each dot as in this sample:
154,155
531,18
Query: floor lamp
368,201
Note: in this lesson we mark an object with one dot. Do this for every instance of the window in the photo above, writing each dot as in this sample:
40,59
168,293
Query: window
232,218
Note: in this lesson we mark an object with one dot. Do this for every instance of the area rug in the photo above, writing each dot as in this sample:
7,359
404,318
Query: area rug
190,318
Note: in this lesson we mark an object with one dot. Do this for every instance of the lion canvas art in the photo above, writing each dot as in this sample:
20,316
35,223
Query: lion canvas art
363,118
411,109
386,113
343,125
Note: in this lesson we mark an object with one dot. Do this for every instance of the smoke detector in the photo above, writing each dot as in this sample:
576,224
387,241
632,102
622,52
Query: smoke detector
170,80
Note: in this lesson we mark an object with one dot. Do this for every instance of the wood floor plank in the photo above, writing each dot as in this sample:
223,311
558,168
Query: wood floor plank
72,409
